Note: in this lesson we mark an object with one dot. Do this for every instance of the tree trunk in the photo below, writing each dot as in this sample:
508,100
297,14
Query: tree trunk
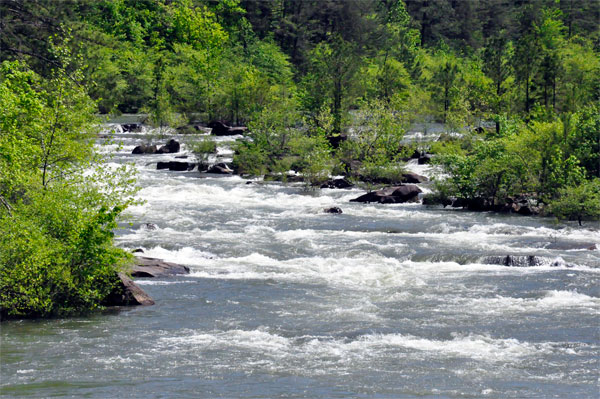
337,105
527,95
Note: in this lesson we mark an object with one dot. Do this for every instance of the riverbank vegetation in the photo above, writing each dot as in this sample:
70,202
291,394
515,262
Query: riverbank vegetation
326,87
59,202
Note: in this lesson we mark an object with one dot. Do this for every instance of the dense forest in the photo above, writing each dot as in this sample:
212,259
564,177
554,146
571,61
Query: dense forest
326,87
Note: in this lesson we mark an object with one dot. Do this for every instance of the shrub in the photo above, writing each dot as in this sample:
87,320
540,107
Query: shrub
578,203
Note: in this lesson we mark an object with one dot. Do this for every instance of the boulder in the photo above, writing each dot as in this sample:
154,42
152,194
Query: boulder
425,159
337,183
131,127
219,128
220,168
127,293
524,261
413,178
391,195
171,147
176,165
144,149
333,209
152,267
515,260
149,226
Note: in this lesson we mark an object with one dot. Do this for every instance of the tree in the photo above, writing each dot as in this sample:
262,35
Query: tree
57,218
333,65
497,67
579,203
442,76
525,64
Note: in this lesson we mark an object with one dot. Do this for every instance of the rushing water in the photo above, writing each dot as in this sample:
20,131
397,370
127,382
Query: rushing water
386,301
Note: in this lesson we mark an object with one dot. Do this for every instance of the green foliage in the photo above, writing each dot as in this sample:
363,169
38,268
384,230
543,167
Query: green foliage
58,211
314,151
300,72
202,148
584,139
376,140
251,158
578,203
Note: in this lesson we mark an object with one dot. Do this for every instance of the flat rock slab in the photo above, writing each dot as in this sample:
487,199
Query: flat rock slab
153,267
391,195
127,293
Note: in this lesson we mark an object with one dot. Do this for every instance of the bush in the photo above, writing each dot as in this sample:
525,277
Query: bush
579,203
58,202
250,158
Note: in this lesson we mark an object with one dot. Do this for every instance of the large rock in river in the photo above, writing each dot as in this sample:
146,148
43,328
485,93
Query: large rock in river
391,195
337,183
219,128
152,267
171,147
131,127
220,168
411,177
127,293
176,165
144,149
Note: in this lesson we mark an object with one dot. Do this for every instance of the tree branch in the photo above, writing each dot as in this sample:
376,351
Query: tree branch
6,205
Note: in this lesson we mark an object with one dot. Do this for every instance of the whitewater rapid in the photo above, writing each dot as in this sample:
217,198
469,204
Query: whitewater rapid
284,300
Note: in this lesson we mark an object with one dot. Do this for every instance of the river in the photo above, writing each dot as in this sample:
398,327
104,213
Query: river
285,301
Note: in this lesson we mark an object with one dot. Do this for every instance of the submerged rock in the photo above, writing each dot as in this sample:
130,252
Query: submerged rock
220,168
149,226
391,195
127,293
333,209
337,183
152,267
570,246
512,260
523,261
144,149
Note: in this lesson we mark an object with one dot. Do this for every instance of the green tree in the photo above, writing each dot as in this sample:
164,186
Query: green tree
333,65
497,67
57,215
580,203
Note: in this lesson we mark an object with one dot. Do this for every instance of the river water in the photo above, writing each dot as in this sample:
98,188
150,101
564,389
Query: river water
285,301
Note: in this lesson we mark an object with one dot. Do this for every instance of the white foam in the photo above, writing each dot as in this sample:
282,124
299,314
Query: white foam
313,350
162,282
552,300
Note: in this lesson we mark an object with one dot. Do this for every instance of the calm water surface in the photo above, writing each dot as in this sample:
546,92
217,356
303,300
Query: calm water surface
284,301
